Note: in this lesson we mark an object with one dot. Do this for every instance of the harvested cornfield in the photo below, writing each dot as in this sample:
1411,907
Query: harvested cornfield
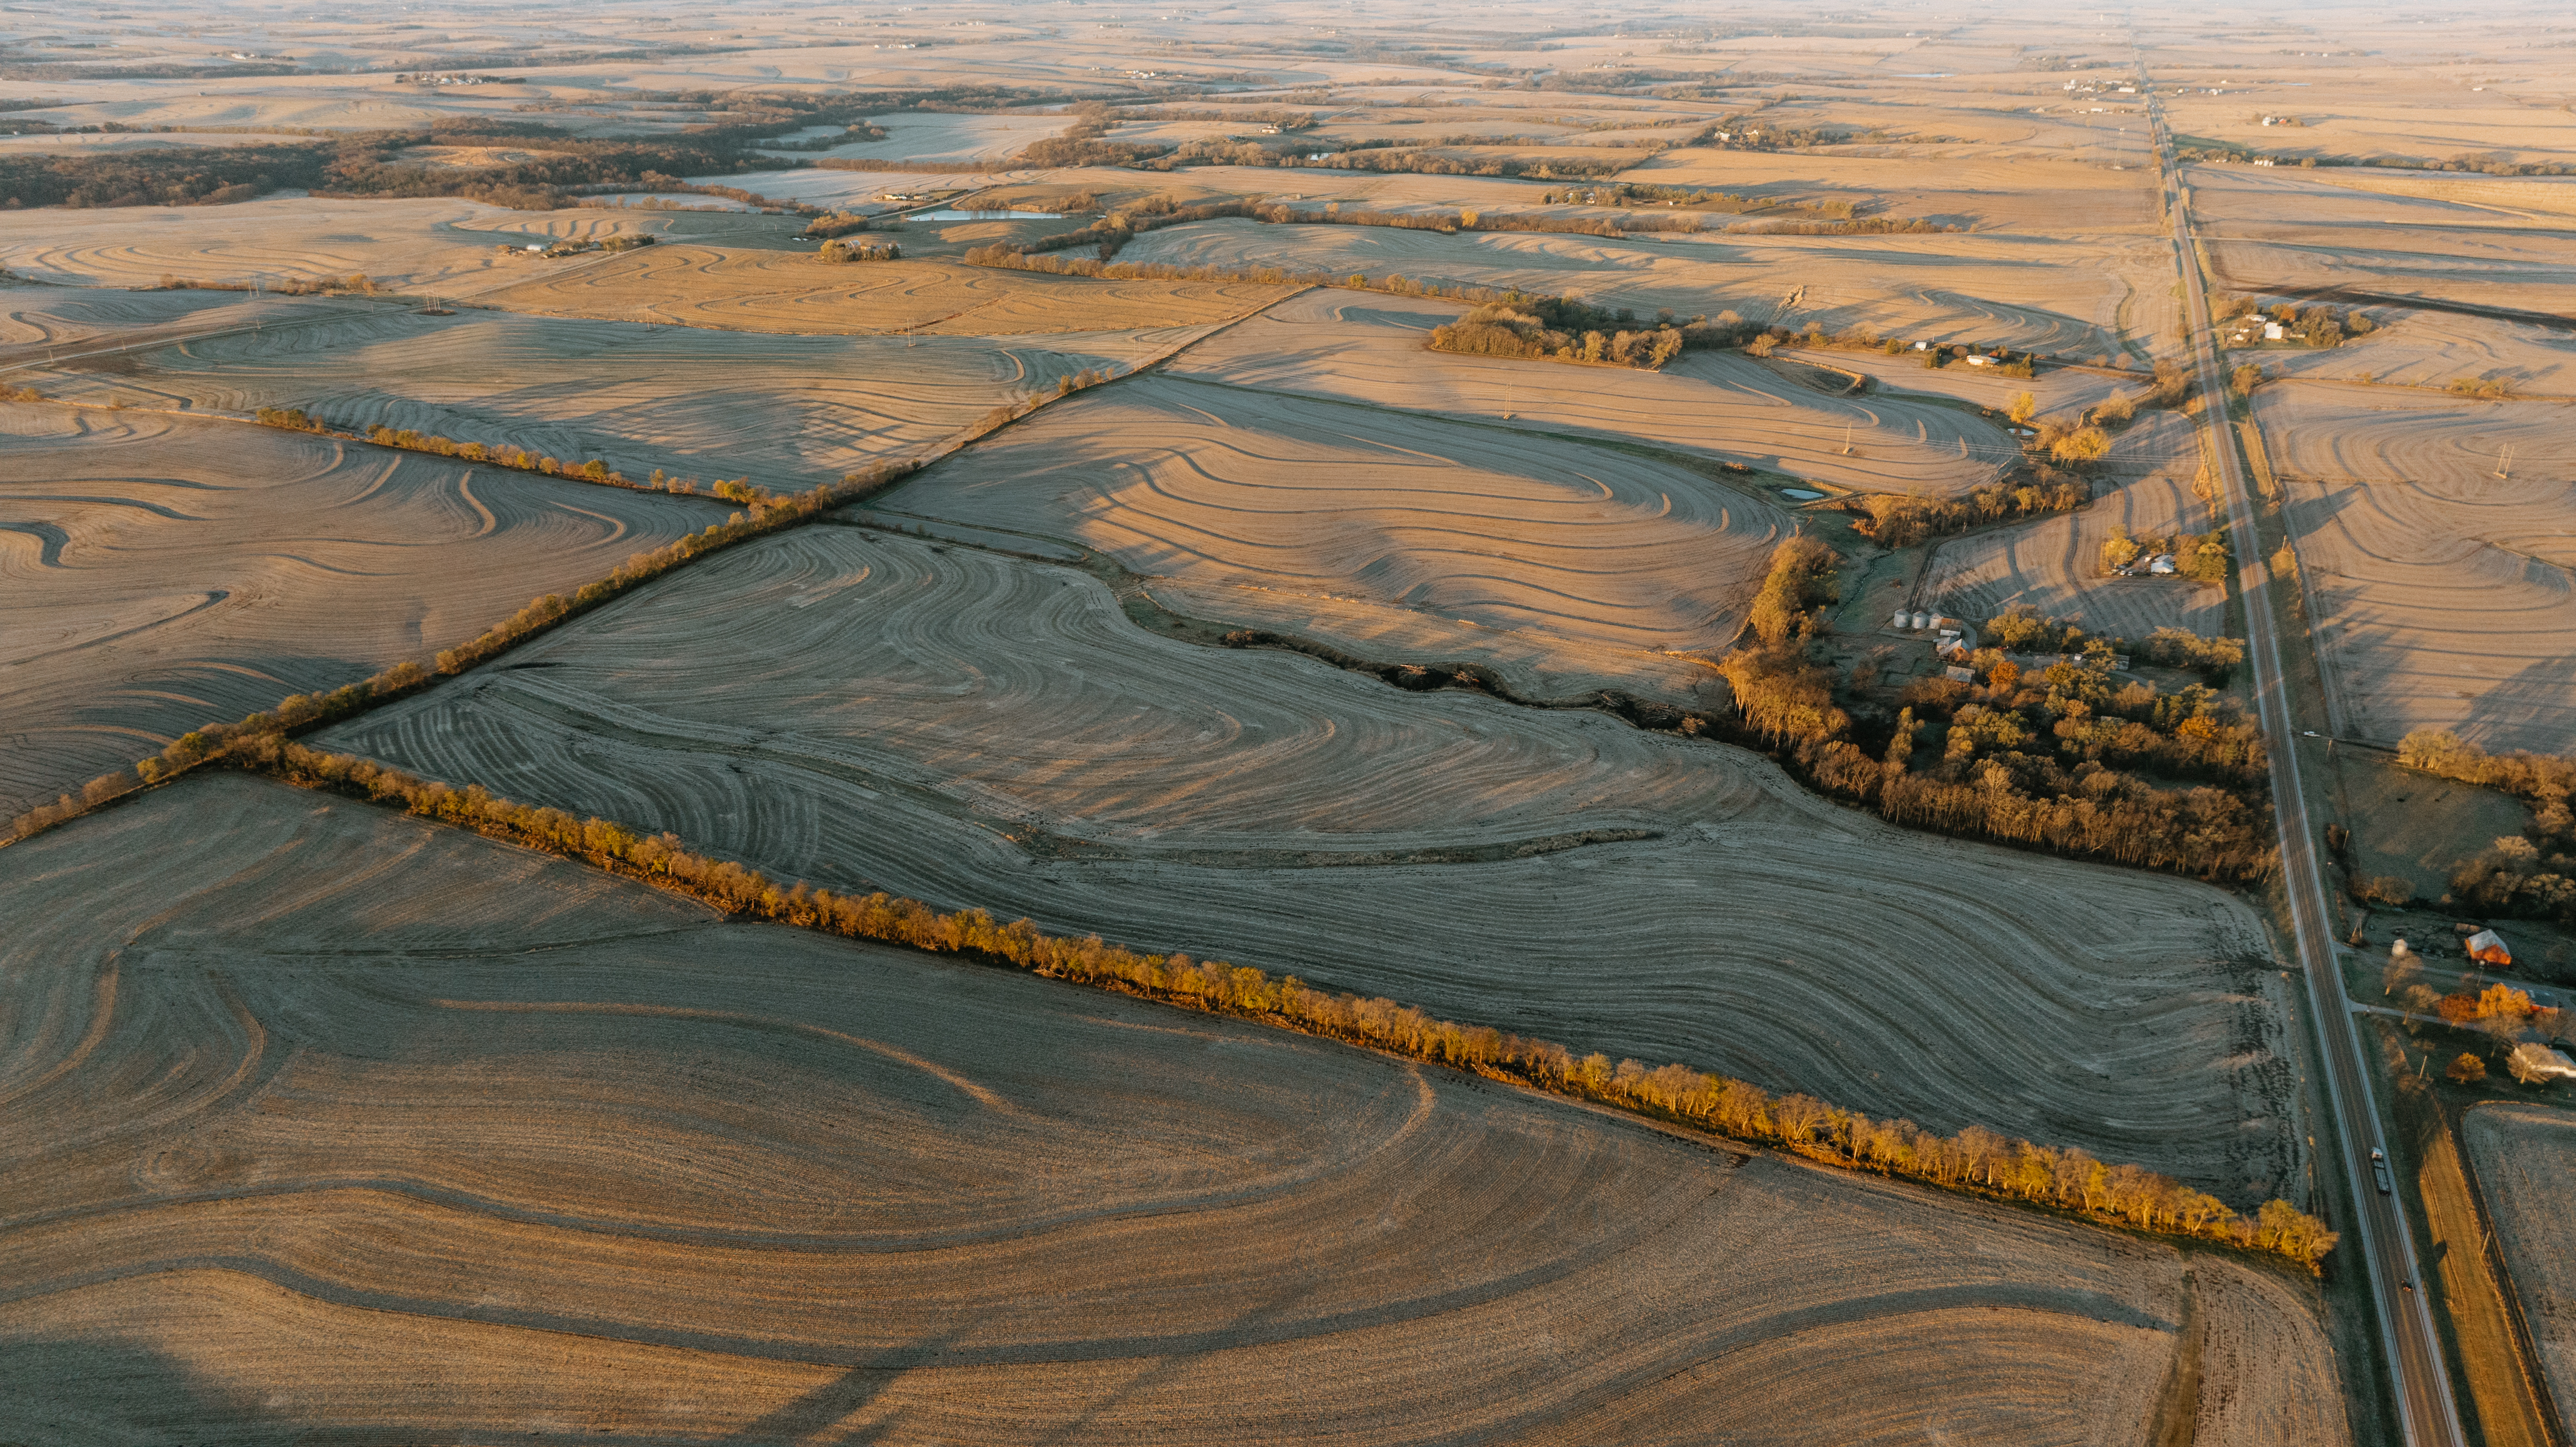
2056,295
775,291
2525,1157
965,728
2442,591
1481,525
443,243
329,1122
1785,418
166,573
788,412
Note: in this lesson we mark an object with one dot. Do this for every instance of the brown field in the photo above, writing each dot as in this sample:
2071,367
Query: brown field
2052,295
702,286
1483,525
1780,417
2525,1155
788,412
2442,592
317,1151
960,727
2474,241
443,244
165,573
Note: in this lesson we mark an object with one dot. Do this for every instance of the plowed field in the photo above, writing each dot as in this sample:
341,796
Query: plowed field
2044,294
332,1123
1481,525
787,411
960,727
776,291
164,573
2443,592
1370,349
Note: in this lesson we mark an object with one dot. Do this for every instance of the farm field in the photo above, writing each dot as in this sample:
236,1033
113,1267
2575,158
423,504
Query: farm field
318,1146
1366,348
2434,349
2441,590
2524,1155
961,727
1481,525
781,292
2393,244
2045,294
442,243
166,573
788,412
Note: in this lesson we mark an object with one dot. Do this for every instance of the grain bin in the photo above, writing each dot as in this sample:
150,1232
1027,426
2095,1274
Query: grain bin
1922,620
1902,619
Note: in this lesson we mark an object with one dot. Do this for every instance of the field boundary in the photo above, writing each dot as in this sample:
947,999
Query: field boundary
1977,1162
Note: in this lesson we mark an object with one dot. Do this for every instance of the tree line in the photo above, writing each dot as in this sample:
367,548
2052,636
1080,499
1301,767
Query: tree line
1974,1161
295,419
2062,759
762,515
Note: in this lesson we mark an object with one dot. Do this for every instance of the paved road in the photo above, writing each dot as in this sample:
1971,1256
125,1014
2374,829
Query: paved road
2427,1413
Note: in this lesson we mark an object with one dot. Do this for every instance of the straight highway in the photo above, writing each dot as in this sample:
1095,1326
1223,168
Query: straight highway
2427,1413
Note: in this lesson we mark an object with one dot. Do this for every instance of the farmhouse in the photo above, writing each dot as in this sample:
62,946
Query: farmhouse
2488,948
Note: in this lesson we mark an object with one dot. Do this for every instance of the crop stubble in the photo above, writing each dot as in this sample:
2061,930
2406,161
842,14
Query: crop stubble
335,1121
2525,1157
2444,592
167,573
1432,847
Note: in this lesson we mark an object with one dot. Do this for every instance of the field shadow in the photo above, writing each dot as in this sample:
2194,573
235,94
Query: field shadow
826,1407
76,1392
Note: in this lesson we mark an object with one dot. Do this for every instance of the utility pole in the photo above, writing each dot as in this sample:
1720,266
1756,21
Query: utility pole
2504,463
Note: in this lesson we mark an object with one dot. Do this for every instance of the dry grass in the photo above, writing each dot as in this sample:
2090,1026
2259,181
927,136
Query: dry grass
166,573
2507,1413
443,244
962,728
791,292
2442,592
310,1147
2525,1155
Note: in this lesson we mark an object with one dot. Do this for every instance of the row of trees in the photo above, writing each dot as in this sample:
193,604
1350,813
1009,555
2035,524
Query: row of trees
1975,1160
2201,557
502,454
1895,520
258,732
1506,331
836,253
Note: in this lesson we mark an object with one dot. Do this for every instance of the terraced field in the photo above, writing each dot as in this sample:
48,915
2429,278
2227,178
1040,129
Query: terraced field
331,1122
1784,418
2045,294
2525,1157
164,573
787,411
961,727
2443,593
1209,485
776,291
440,242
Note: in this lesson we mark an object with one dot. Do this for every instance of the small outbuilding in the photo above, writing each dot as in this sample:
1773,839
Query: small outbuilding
1956,674
2162,565
2488,948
